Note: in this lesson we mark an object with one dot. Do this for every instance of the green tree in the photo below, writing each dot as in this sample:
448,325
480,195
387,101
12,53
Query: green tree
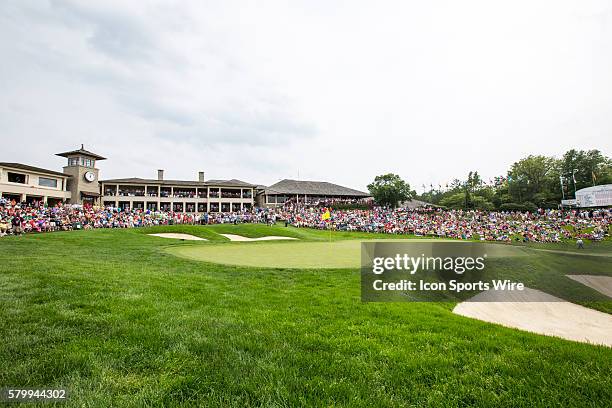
531,179
390,189
587,167
454,201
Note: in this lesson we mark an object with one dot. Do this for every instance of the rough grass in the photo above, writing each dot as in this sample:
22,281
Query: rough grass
119,322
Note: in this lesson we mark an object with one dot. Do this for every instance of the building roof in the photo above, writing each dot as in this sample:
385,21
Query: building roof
321,188
593,189
26,167
189,183
232,183
81,151
412,204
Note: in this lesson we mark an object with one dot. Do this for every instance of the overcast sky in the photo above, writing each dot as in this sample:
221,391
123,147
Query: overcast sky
335,90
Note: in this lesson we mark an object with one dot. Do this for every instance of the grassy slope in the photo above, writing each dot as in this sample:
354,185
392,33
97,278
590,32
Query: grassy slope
119,322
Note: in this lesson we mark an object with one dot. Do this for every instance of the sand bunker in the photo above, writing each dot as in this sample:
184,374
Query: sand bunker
602,284
539,312
173,235
240,238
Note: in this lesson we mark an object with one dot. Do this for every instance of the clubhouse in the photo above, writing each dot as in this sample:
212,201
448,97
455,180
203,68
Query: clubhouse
79,184
23,183
178,195
307,192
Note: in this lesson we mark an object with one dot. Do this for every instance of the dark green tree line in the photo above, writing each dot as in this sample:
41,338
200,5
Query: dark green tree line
534,181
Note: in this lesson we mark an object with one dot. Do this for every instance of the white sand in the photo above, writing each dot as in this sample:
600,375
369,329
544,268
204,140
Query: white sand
172,235
240,238
602,284
539,312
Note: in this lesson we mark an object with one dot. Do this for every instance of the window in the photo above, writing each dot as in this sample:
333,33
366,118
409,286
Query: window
17,178
73,161
47,182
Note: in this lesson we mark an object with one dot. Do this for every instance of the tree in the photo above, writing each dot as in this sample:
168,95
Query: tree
532,176
587,167
390,189
535,180
454,201
474,182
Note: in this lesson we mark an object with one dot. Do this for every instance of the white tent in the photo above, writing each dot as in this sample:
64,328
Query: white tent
596,196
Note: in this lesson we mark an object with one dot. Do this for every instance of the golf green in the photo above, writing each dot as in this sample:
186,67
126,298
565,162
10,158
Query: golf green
300,255
337,254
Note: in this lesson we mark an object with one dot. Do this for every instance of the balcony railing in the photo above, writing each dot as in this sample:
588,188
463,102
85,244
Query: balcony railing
131,193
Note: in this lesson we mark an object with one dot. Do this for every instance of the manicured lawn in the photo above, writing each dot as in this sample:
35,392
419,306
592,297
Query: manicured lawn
299,254
120,321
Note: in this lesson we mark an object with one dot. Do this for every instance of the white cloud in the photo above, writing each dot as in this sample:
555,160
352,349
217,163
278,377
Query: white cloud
337,91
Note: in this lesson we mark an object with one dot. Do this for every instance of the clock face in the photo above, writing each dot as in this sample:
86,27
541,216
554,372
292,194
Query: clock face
89,176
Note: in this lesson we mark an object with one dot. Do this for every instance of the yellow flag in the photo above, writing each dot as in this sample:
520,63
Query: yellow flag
326,215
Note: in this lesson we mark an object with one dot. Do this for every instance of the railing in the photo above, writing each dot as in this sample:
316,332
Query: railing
131,194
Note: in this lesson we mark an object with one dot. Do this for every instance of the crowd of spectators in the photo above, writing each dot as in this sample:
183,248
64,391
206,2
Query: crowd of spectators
314,201
19,218
540,226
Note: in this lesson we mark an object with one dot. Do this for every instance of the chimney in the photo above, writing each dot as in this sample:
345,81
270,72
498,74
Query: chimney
201,176
160,174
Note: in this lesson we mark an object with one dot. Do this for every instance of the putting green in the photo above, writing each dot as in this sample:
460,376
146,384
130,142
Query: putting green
299,255
339,254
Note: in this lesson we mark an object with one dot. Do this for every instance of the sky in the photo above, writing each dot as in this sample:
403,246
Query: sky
337,91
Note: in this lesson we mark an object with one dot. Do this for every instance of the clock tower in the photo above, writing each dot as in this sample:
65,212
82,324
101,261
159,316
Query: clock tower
83,182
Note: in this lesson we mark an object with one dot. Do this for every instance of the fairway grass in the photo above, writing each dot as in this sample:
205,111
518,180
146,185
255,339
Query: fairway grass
116,319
